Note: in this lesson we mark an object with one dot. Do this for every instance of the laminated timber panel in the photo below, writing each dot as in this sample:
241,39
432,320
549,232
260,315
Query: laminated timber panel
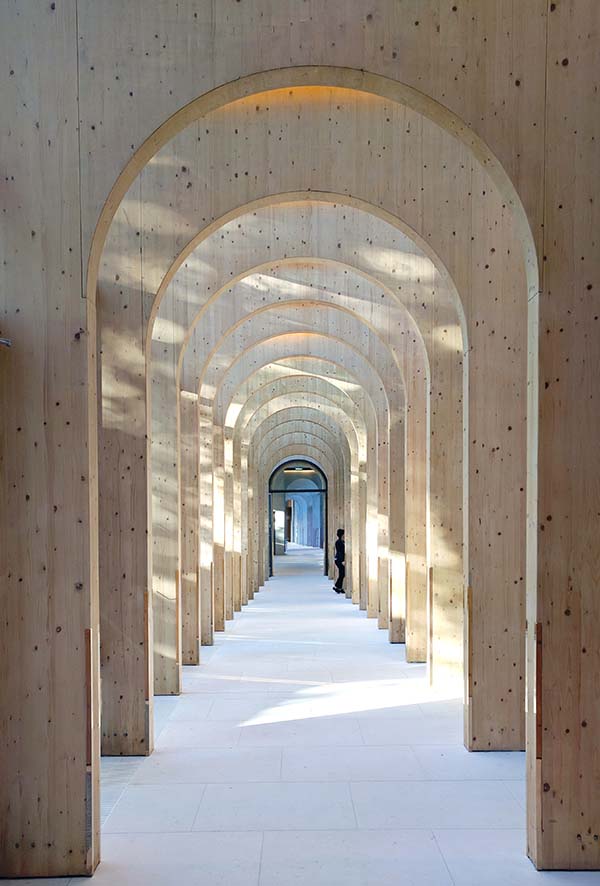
245,523
49,653
445,513
216,528
563,598
496,474
369,472
165,510
124,556
331,281
416,500
447,595
210,618
189,497
357,537
316,443
353,111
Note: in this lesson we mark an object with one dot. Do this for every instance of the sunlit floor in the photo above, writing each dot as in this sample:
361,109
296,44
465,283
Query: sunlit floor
306,751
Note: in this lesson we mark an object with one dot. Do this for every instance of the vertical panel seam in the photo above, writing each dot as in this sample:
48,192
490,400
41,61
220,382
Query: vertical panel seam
82,274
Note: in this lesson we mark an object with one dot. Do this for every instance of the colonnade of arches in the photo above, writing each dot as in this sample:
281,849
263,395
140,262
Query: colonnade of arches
324,264
327,304
422,300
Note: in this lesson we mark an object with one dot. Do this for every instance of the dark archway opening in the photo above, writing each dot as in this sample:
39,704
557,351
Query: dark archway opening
297,510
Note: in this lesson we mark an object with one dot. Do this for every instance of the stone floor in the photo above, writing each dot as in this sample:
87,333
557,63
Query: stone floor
305,750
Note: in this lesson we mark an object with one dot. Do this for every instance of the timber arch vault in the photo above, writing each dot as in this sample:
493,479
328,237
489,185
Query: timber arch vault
335,263
448,297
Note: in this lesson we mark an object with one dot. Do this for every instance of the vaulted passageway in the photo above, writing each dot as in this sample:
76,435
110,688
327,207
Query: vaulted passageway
235,235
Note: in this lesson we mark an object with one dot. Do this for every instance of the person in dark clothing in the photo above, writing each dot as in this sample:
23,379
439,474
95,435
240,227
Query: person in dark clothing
340,562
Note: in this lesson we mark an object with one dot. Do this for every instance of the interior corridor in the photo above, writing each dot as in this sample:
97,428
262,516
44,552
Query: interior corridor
280,763
285,758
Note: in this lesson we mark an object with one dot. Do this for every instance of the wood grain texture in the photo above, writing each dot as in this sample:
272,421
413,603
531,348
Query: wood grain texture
564,658
189,499
49,649
125,616
483,145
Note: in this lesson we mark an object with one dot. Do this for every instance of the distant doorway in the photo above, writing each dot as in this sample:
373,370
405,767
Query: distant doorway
297,510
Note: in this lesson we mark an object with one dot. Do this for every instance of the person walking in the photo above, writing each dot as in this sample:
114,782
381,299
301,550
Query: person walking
340,562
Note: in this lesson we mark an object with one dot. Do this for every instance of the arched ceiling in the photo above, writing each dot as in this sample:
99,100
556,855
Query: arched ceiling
304,324
335,121
235,401
311,391
300,226
344,364
305,281
299,408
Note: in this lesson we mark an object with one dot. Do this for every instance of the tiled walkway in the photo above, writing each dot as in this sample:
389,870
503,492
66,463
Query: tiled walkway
306,751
